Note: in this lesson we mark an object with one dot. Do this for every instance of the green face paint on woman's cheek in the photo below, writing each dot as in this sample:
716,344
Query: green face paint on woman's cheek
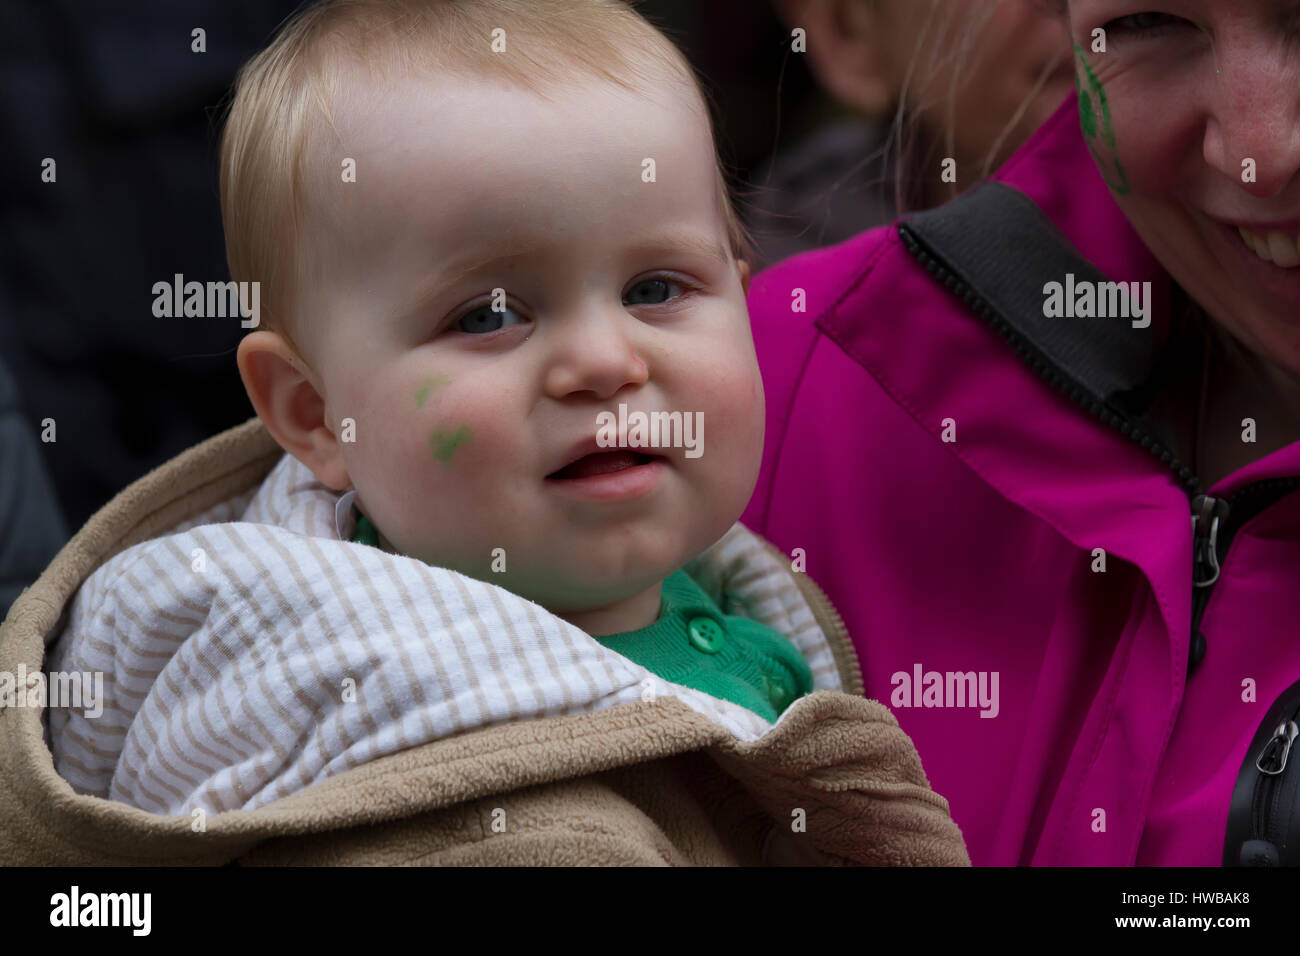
1094,119
444,442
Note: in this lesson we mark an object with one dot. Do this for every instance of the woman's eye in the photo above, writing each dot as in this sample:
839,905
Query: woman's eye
484,319
652,291
1143,23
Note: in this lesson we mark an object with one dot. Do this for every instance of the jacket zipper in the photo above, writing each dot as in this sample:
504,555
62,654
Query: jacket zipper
1214,520
842,632
1271,764
1266,840
818,600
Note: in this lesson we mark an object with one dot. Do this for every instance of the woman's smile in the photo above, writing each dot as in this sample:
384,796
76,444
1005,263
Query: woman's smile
1263,260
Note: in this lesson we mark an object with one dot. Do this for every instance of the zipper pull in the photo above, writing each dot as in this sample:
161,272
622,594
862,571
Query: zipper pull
1207,512
1272,759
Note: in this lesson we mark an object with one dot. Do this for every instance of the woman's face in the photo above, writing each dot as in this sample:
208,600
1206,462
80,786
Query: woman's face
1192,114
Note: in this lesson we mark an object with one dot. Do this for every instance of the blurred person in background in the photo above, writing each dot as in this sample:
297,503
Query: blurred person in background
107,113
913,82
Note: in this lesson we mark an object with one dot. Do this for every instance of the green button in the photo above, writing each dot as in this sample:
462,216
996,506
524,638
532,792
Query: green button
706,634
777,690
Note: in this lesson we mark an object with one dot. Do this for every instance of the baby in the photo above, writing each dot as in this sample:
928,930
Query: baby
493,242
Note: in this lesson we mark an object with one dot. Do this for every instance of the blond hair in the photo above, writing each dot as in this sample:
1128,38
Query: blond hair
918,132
283,92
958,30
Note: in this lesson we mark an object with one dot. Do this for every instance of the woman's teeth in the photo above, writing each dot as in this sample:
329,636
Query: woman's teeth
1277,248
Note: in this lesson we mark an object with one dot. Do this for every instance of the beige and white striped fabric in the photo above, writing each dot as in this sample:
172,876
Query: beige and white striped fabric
253,651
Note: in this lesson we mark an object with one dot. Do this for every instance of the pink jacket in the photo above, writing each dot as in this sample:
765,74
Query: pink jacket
970,563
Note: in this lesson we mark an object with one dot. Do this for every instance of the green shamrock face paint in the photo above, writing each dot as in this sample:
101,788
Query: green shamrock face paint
427,386
1094,118
444,442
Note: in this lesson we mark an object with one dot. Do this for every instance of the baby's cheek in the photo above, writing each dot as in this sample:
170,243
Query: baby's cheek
736,389
464,433
406,429
442,421
731,445
395,459
729,394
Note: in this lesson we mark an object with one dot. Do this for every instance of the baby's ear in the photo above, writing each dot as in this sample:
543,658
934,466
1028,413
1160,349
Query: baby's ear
743,266
286,398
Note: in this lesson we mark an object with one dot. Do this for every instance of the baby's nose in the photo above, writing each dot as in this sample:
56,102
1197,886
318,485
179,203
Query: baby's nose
595,355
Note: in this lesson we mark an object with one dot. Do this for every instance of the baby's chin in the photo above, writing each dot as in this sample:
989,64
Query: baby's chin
582,572
573,593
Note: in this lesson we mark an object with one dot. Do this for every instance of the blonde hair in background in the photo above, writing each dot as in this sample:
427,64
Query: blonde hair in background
958,28
283,93
950,35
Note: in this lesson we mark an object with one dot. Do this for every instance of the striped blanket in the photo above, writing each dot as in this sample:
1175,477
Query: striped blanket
253,651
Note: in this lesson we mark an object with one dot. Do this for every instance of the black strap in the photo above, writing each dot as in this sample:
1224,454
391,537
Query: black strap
1001,245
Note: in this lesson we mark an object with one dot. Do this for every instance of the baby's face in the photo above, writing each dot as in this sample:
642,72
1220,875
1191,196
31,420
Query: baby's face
616,291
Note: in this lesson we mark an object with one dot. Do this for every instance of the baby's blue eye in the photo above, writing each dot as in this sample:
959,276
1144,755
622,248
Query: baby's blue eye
483,320
650,292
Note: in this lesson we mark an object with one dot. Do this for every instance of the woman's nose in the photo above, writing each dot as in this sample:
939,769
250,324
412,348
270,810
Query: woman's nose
594,352
1253,131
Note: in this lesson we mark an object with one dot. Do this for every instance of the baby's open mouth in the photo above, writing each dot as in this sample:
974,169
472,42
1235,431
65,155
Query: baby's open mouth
602,463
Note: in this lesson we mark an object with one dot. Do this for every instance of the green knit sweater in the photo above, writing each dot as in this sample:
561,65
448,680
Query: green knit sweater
694,644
